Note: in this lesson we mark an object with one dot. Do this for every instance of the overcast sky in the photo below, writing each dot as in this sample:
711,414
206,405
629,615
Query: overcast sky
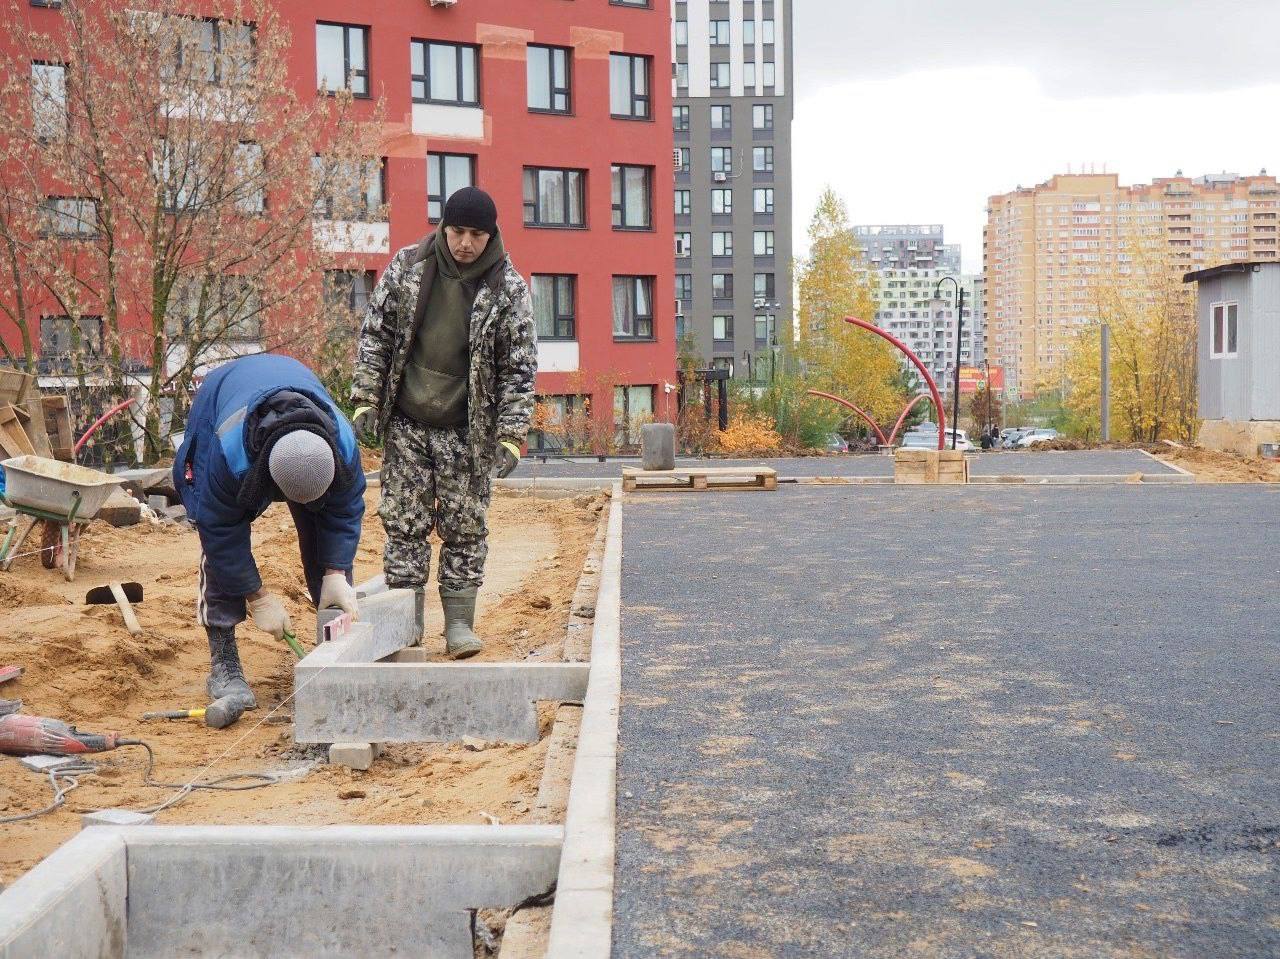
916,111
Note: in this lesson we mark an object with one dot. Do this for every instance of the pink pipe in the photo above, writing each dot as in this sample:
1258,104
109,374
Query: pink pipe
862,413
98,422
933,387
903,418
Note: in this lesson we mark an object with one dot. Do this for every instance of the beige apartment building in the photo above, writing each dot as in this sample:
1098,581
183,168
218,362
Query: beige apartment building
1044,246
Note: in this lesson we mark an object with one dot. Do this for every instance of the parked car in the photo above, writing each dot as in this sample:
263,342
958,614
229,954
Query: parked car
1033,437
1011,440
837,444
919,440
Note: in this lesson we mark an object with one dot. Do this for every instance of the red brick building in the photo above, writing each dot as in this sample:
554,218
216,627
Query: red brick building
559,110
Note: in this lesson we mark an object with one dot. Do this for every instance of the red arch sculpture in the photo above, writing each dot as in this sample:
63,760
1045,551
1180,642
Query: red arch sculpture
915,360
863,413
902,419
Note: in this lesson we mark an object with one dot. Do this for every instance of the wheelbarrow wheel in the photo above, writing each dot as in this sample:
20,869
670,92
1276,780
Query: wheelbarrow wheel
50,545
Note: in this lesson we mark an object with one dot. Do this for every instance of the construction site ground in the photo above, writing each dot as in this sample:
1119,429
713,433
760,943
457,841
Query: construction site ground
1000,721
83,666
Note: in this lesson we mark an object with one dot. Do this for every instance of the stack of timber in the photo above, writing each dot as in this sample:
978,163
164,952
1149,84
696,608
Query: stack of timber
945,467
700,478
31,423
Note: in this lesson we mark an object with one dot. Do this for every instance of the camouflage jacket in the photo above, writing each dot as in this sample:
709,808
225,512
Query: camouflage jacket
504,355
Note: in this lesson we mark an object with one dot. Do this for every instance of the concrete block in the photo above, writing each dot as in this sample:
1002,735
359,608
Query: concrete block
353,755
120,509
175,514
116,817
658,446
73,904
328,891
414,654
158,502
431,702
388,622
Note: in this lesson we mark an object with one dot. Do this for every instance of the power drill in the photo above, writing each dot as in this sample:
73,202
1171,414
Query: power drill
38,735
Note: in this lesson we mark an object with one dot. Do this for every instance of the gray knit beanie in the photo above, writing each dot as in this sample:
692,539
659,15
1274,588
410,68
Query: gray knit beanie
301,464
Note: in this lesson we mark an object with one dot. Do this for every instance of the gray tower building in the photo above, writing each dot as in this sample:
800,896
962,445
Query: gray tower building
732,119
907,247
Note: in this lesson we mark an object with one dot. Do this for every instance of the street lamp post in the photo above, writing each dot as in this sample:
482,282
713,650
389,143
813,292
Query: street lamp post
986,363
955,374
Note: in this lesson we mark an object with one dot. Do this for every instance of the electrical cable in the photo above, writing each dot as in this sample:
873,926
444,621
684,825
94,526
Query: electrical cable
63,778
221,783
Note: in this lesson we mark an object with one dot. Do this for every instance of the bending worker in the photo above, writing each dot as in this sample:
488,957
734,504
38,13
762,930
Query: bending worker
262,429
444,373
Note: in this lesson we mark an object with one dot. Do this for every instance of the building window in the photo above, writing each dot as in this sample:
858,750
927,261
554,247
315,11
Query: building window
342,58
563,418
554,299
682,32
748,32
549,79
349,192
632,408
682,159
721,243
66,345
766,328
722,160
212,51
718,30
349,289
446,73
631,202
1224,345
51,4
721,117
249,181
684,244
633,307
684,203
767,32
680,119
719,76
762,199
49,100
722,201
206,306
762,159
684,286
682,75
770,73
69,216
642,4
554,197
722,327
763,286
749,74
763,242
447,173
762,116
722,286
629,86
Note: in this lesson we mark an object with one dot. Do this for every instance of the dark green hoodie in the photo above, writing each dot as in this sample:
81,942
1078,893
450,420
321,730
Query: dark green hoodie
434,389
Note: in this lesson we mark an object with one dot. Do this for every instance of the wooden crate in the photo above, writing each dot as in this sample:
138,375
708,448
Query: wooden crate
57,422
944,467
700,478
13,436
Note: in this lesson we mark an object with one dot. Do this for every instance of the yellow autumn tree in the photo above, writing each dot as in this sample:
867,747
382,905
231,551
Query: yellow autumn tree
834,283
1151,315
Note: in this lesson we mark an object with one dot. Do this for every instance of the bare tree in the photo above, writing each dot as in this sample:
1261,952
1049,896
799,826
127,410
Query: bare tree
170,196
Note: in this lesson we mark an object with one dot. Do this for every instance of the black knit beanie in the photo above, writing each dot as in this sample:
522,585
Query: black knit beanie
471,207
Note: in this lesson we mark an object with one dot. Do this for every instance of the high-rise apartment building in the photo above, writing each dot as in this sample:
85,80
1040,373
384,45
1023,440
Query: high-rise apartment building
731,118
913,307
559,111
1044,246
907,247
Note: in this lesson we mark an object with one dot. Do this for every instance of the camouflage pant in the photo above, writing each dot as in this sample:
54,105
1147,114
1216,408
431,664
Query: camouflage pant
427,483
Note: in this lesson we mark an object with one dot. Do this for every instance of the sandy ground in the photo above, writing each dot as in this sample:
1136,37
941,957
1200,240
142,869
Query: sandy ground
82,666
1211,466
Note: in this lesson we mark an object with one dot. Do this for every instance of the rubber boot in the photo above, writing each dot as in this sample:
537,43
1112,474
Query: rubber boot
226,678
459,617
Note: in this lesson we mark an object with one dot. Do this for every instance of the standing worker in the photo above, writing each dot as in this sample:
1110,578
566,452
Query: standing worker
262,429
444,374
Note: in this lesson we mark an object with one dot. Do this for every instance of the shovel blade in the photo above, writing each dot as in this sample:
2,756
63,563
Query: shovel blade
102,596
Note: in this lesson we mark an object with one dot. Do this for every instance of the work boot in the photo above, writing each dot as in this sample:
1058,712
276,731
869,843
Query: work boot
459,618
226,678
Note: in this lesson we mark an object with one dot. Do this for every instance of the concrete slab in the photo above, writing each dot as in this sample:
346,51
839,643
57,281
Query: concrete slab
428,702
71,905
353,755
389,620
116,817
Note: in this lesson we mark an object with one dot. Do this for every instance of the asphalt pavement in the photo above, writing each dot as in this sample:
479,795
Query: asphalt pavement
951,722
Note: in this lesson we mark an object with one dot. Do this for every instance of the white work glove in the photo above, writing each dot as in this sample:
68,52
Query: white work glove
337,593
508,455
365,422
269,615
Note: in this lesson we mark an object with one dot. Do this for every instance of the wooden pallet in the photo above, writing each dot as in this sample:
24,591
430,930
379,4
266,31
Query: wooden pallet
700,478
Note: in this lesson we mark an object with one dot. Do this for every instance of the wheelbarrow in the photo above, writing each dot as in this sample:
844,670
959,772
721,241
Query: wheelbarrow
63,496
